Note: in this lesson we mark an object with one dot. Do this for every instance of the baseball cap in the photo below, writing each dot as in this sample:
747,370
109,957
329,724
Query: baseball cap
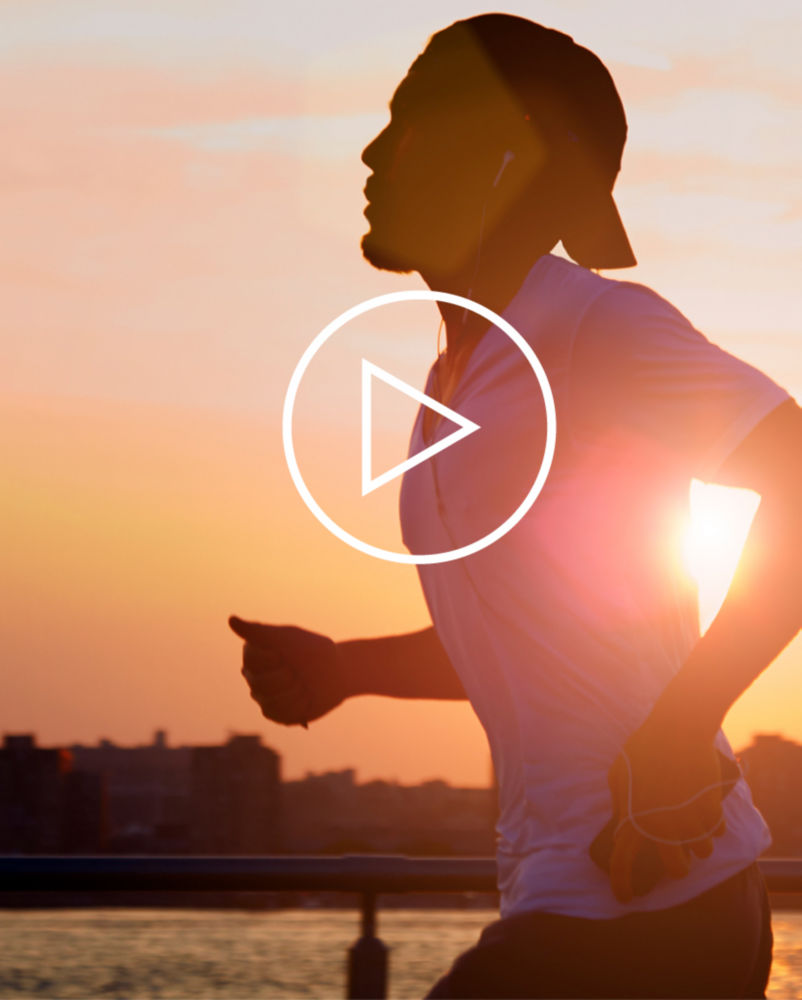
571,98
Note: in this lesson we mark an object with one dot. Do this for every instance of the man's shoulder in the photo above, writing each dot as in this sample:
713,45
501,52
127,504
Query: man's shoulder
621,299
613,298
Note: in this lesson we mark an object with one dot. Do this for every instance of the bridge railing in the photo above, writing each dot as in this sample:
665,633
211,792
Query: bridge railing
366,876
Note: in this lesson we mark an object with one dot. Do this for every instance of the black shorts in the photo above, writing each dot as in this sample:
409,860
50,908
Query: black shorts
716,945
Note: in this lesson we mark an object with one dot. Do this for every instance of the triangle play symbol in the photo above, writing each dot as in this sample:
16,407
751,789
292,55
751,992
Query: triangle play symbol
371,371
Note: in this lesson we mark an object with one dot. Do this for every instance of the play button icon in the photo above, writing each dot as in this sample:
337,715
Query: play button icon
465,427
369,373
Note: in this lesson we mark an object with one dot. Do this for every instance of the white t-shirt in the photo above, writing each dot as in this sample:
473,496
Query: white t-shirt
565,631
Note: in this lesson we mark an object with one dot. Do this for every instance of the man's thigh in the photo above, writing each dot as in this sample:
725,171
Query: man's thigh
718,944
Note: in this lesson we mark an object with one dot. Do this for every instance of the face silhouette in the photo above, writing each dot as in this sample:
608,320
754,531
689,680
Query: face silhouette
433,168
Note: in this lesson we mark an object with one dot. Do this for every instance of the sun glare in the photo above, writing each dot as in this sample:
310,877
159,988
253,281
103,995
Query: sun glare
719,523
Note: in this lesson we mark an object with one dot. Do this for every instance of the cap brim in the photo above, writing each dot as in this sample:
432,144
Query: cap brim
597,237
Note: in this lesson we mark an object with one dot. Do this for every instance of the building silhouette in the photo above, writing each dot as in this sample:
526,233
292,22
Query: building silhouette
773,767
331,813
46,805
226,799
183,800
146,790
234,798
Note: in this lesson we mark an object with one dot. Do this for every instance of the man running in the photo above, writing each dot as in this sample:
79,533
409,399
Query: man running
627,839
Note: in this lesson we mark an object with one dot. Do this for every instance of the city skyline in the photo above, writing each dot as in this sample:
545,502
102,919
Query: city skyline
161,739
232,798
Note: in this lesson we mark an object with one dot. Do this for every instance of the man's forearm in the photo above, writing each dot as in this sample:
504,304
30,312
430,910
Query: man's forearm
759,617
413,665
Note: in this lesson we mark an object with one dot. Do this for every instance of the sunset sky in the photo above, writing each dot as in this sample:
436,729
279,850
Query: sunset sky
181,196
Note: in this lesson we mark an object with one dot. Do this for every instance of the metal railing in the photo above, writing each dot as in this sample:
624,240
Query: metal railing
364,875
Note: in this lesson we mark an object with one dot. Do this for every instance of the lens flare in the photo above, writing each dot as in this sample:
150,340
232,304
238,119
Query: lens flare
711,547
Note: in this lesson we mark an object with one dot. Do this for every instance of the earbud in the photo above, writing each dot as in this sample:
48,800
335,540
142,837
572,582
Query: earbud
508,156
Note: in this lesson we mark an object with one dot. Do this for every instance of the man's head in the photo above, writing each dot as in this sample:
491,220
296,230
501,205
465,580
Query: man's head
492,91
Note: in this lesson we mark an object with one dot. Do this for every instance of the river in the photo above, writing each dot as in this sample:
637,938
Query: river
132,953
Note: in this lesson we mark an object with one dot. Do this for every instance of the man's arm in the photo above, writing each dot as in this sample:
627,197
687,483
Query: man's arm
763,609
414,665
670,760
296,675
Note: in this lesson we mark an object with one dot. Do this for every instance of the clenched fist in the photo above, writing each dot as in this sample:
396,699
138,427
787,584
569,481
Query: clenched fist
674,784
294,675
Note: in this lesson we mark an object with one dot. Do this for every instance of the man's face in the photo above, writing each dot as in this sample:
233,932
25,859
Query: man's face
432,175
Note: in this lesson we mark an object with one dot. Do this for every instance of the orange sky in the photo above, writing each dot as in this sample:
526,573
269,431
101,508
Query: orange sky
182,194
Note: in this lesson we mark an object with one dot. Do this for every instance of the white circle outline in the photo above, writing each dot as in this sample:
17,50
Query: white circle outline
409,558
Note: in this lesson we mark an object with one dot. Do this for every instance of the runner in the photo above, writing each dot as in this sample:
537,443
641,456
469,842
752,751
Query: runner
627,839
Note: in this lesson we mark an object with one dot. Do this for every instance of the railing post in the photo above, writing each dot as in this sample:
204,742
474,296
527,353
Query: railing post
367,958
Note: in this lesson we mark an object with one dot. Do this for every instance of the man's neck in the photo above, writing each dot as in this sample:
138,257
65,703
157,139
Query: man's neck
491,274
494,286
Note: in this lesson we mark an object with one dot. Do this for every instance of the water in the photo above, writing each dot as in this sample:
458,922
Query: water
235,954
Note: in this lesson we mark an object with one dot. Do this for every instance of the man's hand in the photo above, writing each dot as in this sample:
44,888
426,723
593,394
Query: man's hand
665,769
294,675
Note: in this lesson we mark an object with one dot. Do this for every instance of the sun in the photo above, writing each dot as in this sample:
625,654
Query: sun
711,547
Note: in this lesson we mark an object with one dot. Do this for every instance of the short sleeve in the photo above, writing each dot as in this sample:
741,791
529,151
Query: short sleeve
638,363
